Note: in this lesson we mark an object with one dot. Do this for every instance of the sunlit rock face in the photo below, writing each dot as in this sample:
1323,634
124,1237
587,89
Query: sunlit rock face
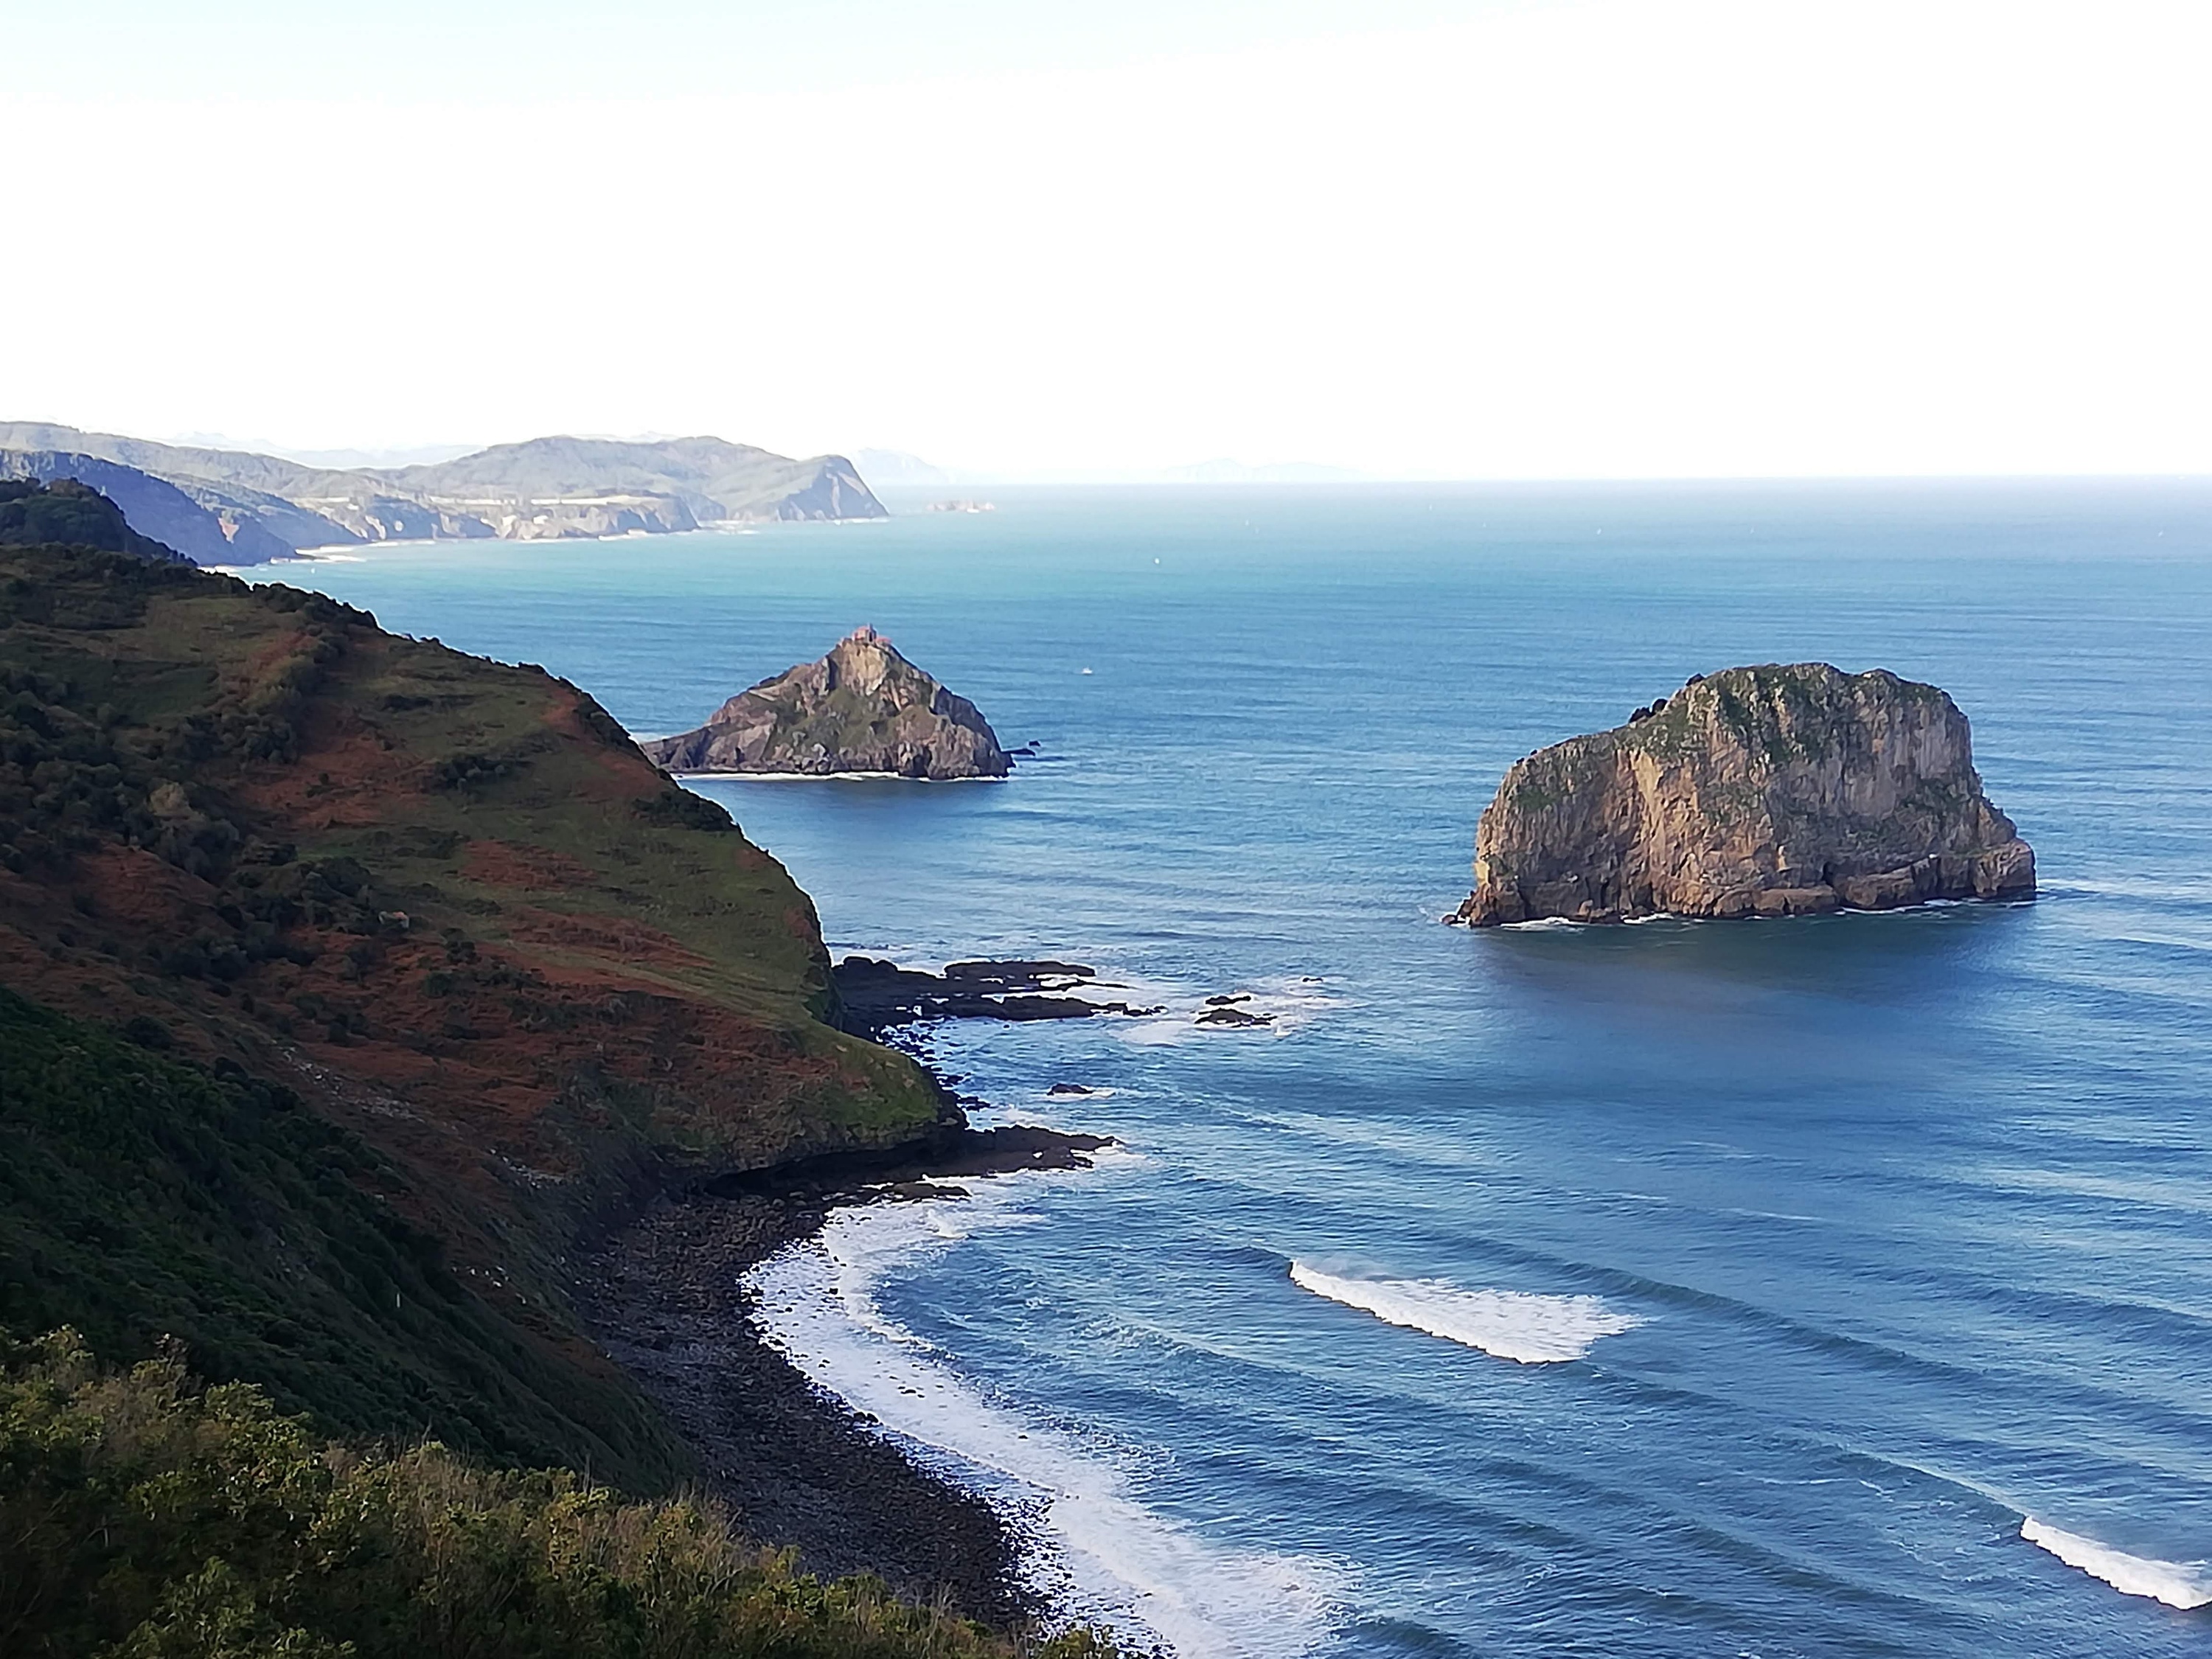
864,707
1775,790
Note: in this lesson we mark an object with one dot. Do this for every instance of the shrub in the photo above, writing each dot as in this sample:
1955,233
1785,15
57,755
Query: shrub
150,1519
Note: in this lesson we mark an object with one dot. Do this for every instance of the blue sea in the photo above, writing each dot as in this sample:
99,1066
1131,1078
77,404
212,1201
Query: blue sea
1828,1287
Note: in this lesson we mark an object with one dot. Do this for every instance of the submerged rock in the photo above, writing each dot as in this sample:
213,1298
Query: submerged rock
1232,1017
864,707
1765,791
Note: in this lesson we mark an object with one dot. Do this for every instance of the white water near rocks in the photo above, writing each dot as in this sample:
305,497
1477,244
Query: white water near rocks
1916,1208
1534,1330
1097,1549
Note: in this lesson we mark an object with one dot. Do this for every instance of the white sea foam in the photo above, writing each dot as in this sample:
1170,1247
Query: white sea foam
1535,1330
2177,1583
1290,1004
1096,1549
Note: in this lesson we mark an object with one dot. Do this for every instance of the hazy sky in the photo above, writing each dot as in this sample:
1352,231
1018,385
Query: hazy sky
1556,238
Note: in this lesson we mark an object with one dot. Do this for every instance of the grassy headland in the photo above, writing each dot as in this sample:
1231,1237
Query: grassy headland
351,988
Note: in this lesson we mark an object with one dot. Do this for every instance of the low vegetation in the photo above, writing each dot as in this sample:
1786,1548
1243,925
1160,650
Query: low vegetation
146,1518
143,1197
350,988
356,981
67,512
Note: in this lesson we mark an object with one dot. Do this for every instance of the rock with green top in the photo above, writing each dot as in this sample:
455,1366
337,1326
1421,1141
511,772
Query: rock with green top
1775,790
864,707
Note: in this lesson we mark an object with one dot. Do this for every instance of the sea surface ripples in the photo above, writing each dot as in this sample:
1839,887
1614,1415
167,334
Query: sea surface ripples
1829,1286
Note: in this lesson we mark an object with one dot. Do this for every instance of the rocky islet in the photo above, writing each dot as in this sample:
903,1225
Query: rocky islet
861,709
1772,790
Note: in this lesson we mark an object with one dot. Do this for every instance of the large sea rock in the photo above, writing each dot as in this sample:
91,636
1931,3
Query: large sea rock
864,707
1766,791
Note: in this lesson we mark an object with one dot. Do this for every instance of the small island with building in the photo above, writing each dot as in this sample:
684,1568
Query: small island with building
861,709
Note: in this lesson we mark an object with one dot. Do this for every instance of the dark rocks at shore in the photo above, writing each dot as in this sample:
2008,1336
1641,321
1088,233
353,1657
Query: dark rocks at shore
665,1298
1235,1017
796,1467
953,1151
875,995
1013,972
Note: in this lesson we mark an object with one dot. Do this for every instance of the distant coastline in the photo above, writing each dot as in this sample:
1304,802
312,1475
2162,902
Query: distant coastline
231,506
361,552
819,777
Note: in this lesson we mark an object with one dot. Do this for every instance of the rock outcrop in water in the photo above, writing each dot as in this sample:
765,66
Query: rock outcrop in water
864,707
1765,790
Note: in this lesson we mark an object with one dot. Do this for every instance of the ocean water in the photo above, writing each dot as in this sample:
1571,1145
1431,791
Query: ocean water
1829,1286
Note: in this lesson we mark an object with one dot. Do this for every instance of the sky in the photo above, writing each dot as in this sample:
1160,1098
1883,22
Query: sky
1529,239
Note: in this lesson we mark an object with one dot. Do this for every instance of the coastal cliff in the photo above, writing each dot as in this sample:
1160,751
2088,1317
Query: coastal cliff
154,508
239,508
863,707
381,1034
354,993
1774,790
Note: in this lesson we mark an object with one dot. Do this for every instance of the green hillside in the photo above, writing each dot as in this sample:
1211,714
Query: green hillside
358,985
147,1519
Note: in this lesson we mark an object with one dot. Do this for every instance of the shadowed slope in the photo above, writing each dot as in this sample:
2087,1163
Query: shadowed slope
446,903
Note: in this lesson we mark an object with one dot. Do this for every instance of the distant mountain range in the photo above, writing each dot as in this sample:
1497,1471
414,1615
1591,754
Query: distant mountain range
234,506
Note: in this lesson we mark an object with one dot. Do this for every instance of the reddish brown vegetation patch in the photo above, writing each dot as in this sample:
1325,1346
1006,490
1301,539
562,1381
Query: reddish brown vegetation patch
525,868
604,936
346,773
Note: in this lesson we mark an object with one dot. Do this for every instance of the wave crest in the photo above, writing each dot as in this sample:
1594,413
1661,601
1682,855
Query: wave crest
2177,1583
1097,1549
1534,1330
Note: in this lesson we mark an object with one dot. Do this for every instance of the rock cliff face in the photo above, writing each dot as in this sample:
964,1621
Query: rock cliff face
1766,791
862,708
153,507
265,507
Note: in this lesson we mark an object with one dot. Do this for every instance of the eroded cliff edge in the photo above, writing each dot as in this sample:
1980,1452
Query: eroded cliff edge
378,1024
445,916
1774,790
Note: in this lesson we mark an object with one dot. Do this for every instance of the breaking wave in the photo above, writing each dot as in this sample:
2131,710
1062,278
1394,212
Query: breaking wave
1096,1549
1535,1330
2177,1583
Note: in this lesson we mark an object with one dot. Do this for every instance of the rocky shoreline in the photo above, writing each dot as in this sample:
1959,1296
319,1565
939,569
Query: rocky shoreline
665,1297
876,996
